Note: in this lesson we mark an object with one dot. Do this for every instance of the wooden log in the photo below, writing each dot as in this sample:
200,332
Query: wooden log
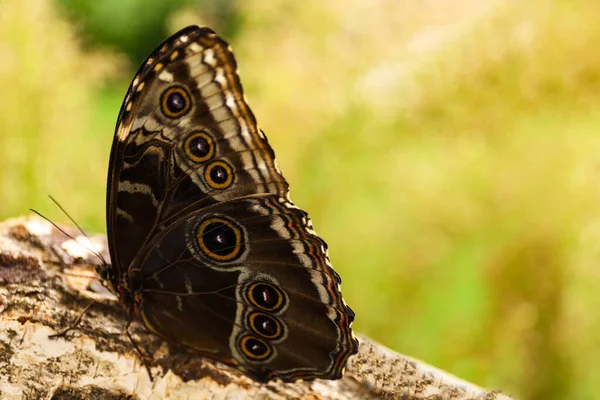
47,280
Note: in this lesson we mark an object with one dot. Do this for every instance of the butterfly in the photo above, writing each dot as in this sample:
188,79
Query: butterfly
206,247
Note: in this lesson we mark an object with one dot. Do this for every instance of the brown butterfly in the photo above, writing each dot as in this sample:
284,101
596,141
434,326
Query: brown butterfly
206,246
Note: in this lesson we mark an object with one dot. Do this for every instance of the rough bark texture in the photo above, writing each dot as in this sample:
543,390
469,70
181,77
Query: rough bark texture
46,281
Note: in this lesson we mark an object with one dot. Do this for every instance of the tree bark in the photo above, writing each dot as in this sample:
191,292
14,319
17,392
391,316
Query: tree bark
47,280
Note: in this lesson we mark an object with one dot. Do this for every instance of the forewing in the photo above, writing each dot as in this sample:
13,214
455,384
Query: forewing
185,139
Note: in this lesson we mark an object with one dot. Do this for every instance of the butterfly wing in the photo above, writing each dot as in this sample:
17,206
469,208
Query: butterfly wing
166,160
201,231
253,271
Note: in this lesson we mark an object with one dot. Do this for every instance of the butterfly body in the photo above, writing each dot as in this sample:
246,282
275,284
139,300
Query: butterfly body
206,247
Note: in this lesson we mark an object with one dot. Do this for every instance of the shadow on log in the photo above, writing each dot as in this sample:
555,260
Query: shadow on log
47,280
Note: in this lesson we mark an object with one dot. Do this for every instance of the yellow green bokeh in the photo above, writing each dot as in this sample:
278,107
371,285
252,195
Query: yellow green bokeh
448,152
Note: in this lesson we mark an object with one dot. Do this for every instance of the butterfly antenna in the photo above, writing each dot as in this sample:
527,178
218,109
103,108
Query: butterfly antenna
92,250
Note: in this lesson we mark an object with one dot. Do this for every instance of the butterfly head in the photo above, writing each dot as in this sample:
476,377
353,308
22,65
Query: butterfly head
116,286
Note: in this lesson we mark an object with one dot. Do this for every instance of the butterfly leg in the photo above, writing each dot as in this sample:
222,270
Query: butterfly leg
74,324
136,347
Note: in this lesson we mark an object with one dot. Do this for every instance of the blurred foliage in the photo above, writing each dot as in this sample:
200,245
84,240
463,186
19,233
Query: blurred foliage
124,24
447,151
49,139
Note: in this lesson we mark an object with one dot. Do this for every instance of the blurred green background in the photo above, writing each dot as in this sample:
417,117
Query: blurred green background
448,151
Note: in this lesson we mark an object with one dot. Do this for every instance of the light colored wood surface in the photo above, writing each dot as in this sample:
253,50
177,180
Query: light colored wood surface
46,280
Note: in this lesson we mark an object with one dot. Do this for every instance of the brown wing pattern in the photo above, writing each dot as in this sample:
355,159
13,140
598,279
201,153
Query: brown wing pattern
202,232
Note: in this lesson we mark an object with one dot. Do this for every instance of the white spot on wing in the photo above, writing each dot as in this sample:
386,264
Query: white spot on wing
134,187
209,57
300,252
220,77
166,76
188,285
262,166
230,102
123,132
258,208
248,165
278,225
124,214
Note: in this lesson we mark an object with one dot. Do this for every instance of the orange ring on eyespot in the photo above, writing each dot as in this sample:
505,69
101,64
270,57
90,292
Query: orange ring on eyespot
167,101
252,317
280,301
223,168
188,146
211,253
257,343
